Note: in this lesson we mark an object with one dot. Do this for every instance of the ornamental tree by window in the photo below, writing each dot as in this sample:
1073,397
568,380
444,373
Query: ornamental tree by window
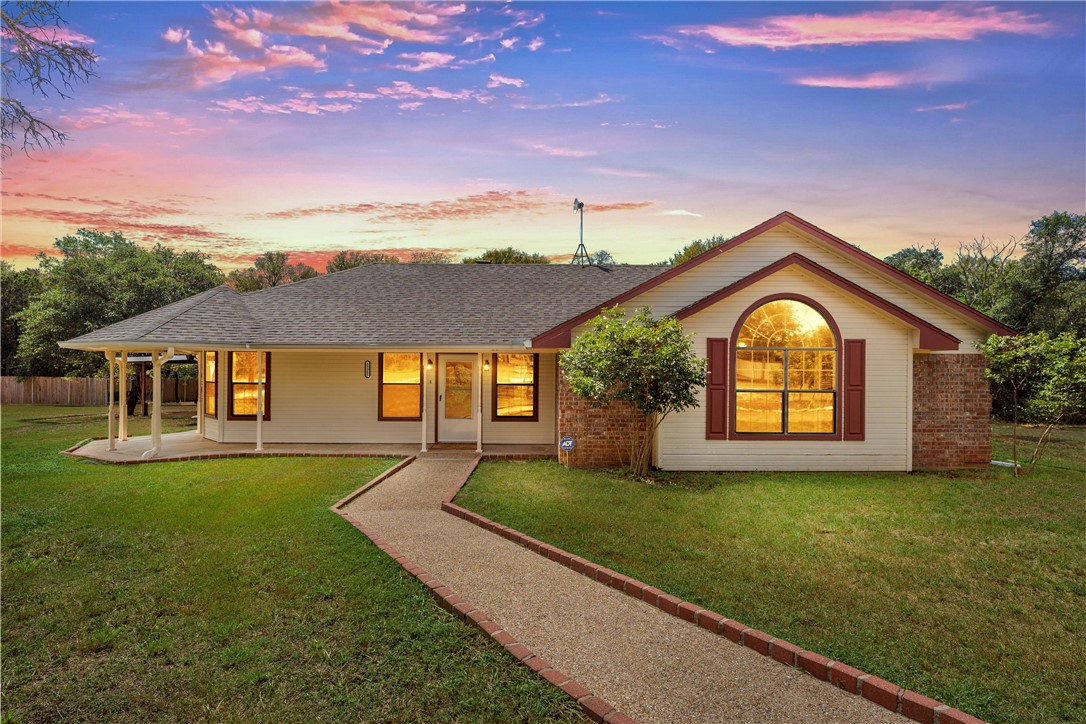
646,363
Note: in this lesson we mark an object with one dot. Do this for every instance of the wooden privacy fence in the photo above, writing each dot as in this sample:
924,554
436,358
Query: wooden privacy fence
82,390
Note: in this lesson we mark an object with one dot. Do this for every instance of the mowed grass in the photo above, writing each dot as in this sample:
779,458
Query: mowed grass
221,590
966,586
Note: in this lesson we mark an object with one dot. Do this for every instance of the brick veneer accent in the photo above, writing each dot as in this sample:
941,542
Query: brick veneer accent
951,411
601,434
852,680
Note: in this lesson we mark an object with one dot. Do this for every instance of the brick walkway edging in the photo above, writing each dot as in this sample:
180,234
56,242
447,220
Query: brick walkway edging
852,680
593,706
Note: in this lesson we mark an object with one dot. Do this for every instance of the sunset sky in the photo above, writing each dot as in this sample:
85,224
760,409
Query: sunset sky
235,129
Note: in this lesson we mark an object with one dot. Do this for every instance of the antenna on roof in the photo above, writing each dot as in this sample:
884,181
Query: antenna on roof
581,257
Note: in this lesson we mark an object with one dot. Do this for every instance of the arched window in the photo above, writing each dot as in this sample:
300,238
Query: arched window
786,371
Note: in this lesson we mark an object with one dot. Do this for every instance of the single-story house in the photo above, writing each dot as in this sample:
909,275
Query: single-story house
821,357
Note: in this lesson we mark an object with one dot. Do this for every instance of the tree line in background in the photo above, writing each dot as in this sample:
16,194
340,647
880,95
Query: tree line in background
1036,285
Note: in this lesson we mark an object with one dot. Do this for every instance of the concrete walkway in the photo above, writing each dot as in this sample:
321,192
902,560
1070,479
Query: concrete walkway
650,665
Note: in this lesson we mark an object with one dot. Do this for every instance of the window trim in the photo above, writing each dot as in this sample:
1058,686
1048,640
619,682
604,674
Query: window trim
214,383
230,386
494,416
381,389
838,422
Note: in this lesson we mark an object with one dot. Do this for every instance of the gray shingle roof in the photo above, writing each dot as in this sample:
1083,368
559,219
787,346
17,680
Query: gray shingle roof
385,305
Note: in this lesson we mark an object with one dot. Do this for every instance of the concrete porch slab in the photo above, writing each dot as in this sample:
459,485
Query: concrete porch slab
190,445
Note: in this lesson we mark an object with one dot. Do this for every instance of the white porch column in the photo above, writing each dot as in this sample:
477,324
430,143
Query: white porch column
479,418
156,411
425,397
112,445
124,394
259,401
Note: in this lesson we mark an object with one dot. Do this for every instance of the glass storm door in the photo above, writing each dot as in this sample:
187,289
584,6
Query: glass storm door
458,402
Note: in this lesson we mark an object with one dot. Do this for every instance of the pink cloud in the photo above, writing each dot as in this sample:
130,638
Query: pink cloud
535,44
600,99
946,107
425,61
59,34
99,116
474,206
620,206
488,58
402,90
509,43
215,63
175,35
622,172
564,152
297,104
902,25
879,80
500,80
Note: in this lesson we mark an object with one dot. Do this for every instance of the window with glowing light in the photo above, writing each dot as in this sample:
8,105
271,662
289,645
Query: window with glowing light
516,394
244,384
786,371
210,389
400,386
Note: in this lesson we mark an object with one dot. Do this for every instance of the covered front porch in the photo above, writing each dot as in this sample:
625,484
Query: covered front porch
192,445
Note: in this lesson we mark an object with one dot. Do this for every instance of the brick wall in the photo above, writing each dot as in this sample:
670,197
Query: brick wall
951,409
602,434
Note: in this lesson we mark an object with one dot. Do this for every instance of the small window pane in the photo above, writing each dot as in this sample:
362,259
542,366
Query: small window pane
209,398
515,401
245,399
400,400
516,369
759,369
810,412
759,412
809,370
244,368
210,359
402,368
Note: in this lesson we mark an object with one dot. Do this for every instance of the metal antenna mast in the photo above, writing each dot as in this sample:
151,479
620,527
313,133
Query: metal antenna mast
581,257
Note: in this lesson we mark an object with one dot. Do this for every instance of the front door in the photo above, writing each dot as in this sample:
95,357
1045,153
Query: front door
457,398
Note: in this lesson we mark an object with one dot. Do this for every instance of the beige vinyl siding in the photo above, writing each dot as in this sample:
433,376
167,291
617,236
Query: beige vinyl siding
681,443
758,253
323,396
504,432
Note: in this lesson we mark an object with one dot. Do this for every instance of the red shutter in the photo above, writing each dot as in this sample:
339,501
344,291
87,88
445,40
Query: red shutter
717,391
855,354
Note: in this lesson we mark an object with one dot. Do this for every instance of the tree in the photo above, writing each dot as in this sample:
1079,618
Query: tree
694,248
1048,290
270,269
349,259
100,278
17,289
923,263
646,363
37,57
1047,376
430,256
602,258
508,255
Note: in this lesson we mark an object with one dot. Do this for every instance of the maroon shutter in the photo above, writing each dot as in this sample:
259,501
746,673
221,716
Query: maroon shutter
717,391
854,388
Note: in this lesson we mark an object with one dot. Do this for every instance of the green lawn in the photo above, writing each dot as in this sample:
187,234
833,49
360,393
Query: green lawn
966,586
222,590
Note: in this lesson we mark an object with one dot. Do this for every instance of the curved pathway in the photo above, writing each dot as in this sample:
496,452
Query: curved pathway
650,665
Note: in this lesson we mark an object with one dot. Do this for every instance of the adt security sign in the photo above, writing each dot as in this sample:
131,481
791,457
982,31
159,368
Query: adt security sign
566,443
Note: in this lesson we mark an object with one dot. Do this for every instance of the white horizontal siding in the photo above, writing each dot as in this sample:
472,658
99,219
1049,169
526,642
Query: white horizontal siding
681,443
524,433
756,254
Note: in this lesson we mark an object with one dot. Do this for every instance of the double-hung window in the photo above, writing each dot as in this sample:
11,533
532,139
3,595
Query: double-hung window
244,383
516,387
399,386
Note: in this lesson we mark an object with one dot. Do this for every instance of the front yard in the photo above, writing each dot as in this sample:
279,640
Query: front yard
966,586
221,590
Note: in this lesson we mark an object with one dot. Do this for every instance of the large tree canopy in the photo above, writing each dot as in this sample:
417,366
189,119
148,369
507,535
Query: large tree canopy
100,278
508,255
17,289
270,269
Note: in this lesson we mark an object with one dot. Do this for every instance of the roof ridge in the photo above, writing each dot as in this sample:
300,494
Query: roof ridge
196,300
